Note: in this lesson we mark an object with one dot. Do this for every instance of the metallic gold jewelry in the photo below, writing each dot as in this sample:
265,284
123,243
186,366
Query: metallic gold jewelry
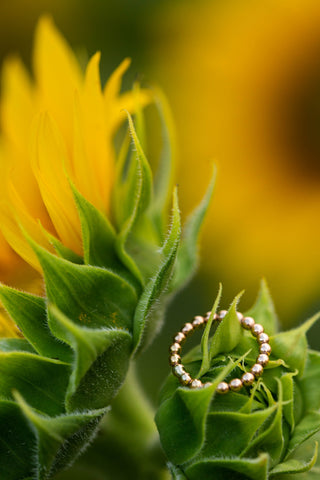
235,384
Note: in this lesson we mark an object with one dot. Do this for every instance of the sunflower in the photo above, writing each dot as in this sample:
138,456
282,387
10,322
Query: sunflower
57,130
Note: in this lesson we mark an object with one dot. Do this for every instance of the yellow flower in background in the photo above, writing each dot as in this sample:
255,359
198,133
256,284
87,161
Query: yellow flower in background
55,128
243,79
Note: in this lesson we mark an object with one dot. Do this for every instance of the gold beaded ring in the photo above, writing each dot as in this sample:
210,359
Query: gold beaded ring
235,384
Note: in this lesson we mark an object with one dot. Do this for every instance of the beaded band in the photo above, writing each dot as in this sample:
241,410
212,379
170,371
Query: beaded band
235,384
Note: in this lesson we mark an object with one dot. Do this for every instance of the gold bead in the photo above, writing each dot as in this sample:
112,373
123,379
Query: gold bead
248,323
247,379
207,384
178,370
262,359
175,360
187,328
198,321
222,314
240,316
223,387
175,348
263,338
179,338
257,370
235,384
257,329
185,378
196,384
265,348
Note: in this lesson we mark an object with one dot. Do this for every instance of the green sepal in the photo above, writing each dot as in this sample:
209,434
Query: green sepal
131,201
59,439
29,313
231,432
146,322
263,310
291,346
163,180
294,465
61,250
183,414
43,381
306,428
16,345
17,443
91,296
206,358
309,382
229,331
271,439
98,353
187,260
235,468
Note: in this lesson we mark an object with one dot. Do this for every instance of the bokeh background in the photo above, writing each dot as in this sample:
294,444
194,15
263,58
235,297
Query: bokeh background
243,81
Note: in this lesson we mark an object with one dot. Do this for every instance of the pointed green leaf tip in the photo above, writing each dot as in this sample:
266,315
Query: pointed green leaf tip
265,431
146,320
59,439
187,261
98,353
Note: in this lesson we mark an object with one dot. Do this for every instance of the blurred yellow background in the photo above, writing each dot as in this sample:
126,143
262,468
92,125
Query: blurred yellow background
243,81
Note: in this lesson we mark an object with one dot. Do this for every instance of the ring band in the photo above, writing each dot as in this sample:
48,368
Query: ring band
247,379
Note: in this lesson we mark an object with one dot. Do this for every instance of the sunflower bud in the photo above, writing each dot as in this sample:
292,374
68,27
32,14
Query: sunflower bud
267,427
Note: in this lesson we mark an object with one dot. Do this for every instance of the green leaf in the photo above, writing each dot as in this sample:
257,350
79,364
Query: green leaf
29,313
206,359
291,346
263,310
230,468
309,382
17,443
229,331
136,198
296,465
91,296
306,428
99,353
187,260
229,433
145,324
42,381
60,439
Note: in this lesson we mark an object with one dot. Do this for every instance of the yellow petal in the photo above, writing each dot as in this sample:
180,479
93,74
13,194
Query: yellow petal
57,73
17,105
113,85
97,138
49,164
7,328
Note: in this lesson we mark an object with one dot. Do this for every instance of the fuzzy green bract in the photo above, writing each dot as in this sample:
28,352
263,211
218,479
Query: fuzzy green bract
57,382
267,431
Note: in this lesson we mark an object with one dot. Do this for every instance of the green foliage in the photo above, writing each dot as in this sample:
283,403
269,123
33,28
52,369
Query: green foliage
265,431
57,382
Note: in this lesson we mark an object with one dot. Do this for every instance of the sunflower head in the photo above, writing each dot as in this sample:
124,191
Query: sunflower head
98,229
